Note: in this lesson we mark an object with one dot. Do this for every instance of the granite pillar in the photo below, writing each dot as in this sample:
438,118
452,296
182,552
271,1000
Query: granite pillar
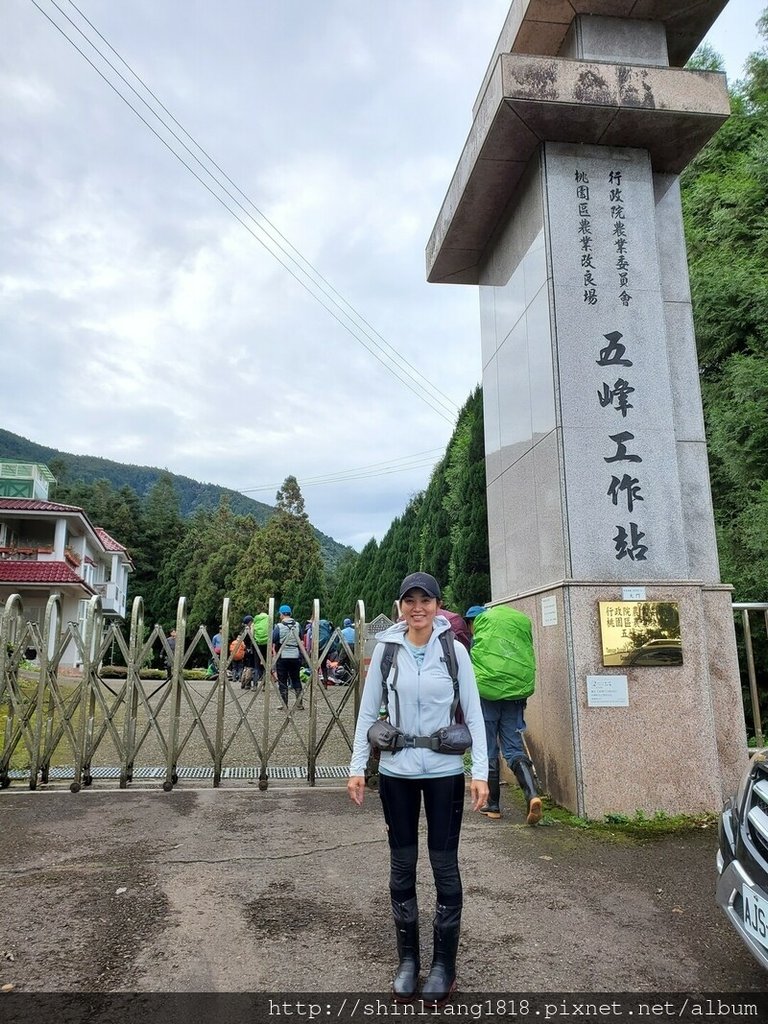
565,210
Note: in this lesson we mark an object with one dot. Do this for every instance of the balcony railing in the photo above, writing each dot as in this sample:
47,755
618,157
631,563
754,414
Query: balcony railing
23,553
112,597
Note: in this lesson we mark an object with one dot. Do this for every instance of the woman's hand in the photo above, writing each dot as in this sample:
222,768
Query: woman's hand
356,789
478,789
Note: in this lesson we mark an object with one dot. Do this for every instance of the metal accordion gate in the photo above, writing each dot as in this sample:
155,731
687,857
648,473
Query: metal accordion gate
206,724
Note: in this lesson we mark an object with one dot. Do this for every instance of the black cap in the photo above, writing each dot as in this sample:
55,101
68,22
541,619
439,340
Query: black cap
420,581
247,620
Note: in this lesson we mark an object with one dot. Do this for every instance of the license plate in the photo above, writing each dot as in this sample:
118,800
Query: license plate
755,912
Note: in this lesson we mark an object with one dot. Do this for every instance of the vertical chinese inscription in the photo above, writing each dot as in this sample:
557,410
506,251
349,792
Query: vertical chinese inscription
585,237
602,200
625,489
620,241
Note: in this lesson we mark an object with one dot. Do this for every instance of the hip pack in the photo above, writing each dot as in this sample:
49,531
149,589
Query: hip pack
454,738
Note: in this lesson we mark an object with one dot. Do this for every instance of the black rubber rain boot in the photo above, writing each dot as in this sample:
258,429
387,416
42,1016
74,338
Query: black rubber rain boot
524,775
441,980
406,983
492,808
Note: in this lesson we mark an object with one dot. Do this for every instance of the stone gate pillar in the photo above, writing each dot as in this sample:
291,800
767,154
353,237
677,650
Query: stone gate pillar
565,210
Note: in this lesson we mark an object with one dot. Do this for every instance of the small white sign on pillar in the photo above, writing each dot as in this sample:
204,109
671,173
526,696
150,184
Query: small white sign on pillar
607,692
549,611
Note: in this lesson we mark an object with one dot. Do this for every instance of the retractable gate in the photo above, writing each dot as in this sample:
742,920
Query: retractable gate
92,725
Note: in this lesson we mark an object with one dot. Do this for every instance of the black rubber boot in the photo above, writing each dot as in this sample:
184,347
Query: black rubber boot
406,983
523,770
492,808
441,980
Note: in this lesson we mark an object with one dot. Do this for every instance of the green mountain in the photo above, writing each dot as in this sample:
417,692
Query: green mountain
192,494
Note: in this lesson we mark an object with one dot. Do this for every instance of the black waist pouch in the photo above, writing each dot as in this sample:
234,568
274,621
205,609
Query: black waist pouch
453,739
383,735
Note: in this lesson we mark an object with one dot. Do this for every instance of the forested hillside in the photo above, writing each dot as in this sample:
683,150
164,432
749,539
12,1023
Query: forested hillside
193,496
210,555
725,203
442,531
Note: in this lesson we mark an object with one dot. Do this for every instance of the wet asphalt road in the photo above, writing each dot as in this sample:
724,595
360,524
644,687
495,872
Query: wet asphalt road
235,890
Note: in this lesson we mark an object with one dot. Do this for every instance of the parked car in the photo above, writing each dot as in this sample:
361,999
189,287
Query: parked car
742,860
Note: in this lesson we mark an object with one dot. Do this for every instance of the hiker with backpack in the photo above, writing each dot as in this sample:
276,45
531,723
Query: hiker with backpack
325,630
420,707
505,668
285,645
457,624
248,671
344,673
260,634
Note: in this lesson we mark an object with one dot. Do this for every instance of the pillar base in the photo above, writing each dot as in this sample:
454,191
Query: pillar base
679,747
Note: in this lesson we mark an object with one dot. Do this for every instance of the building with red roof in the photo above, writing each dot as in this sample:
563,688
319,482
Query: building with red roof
49,548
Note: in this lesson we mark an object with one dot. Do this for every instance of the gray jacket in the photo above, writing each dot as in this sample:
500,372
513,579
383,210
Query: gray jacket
287,633
425,697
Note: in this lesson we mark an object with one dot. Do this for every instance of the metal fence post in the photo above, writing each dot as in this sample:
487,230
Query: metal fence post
51,630
752,677
10,626
171,774
221,692
132,684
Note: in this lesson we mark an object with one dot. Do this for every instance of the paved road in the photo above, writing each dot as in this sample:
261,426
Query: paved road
234,890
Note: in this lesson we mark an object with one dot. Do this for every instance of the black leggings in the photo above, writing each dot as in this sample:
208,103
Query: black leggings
444,807
288,672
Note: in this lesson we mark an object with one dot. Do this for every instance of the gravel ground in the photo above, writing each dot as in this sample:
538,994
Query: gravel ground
286,741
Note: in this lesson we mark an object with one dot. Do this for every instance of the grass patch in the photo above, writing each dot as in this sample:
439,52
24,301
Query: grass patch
638,826
27,690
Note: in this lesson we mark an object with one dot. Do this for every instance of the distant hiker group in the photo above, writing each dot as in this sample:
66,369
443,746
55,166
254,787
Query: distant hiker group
291,648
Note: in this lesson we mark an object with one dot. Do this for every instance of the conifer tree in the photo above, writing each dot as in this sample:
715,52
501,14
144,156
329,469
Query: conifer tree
282,556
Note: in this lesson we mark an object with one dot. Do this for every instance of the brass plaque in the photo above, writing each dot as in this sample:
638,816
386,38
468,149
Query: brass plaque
640,633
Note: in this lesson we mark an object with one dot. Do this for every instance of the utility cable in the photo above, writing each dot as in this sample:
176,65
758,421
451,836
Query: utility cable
251,203
383,463
415,386
428,399
358,476
385,468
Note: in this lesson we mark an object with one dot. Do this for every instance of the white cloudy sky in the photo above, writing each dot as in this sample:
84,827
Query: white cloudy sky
139,321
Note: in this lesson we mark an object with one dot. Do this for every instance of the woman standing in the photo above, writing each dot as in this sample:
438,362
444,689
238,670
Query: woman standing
421,695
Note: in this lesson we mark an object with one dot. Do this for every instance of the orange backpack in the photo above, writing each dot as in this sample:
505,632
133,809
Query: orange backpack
237,650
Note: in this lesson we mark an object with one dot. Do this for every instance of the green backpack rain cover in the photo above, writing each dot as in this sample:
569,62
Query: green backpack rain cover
503,655
261,628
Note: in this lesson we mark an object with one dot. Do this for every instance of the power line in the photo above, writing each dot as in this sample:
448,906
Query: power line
403,375
411,387
261,214
385,468
359,476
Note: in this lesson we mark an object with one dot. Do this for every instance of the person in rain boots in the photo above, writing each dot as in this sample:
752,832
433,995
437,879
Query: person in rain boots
419,698
505,667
